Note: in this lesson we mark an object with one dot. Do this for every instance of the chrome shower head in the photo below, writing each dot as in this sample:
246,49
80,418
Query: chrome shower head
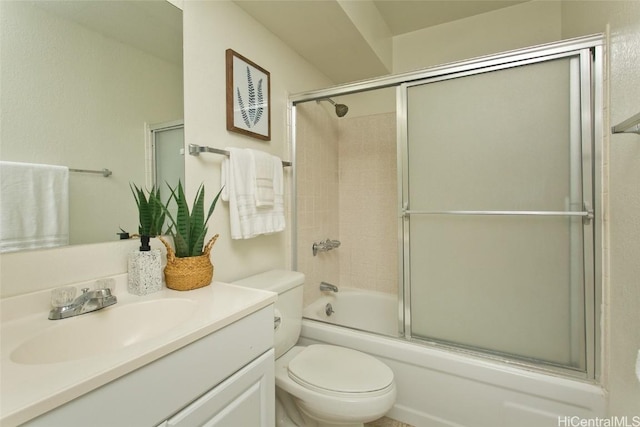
341,109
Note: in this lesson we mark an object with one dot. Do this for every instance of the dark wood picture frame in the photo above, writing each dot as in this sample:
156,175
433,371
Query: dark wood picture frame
248,97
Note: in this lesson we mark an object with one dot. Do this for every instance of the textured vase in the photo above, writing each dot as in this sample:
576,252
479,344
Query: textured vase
145,272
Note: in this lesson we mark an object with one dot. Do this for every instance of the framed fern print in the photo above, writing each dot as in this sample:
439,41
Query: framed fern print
248,97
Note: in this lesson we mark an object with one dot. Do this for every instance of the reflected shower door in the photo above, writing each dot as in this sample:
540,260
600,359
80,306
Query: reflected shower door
497,180
168,153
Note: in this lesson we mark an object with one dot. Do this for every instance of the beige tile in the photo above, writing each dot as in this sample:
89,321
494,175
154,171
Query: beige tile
352,199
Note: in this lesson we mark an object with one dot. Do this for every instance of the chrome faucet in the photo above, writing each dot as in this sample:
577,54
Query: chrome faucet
324,246
87,302
324,286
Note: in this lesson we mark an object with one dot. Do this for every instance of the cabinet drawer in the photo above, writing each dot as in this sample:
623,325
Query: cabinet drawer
244,399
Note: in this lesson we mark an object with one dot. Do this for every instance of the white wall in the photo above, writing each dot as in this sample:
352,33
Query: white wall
622,159
209,29
514,27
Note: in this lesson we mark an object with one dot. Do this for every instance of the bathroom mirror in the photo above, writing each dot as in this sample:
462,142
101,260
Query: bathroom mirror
82,82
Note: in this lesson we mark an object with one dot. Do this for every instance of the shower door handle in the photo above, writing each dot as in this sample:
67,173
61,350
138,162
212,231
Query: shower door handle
587,213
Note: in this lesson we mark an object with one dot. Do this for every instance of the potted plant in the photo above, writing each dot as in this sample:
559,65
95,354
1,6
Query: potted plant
151,214
145,266
189,266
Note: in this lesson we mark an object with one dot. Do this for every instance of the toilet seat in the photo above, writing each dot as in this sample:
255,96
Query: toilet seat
340,371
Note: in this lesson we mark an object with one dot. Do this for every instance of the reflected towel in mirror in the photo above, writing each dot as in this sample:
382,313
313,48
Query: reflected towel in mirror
34,206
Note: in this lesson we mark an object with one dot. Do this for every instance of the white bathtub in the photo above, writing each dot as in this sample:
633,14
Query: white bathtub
445,388
354,308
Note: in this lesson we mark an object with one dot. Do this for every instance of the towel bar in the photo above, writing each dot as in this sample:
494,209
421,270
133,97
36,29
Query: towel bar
104,172
195,150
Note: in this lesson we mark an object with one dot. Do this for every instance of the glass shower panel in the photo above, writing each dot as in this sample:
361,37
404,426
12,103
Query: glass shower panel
169,156
481,147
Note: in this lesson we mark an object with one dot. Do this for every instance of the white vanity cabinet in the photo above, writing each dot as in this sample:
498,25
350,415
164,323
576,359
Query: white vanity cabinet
244,399
224,379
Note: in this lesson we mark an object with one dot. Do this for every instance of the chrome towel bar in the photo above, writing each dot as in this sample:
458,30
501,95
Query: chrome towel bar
195,150
104,172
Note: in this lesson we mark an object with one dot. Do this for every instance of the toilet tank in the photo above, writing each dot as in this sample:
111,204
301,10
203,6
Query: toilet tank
288,307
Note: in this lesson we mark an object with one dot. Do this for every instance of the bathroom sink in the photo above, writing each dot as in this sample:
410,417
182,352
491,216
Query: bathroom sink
103,331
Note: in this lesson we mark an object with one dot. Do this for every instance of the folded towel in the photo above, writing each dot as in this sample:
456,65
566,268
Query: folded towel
247,219
34,206
265,168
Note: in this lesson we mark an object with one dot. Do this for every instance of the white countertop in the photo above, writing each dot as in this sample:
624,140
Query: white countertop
29,390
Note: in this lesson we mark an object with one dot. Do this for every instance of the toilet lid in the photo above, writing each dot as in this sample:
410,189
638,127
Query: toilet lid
339,369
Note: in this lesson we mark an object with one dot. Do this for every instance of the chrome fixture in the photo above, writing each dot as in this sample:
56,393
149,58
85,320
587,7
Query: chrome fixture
64,306
104,172
328,309
341,109
324,286
195,150
631,125
324,246
277,321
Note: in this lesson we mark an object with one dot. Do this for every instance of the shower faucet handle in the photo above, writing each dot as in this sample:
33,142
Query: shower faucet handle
332,244
324,246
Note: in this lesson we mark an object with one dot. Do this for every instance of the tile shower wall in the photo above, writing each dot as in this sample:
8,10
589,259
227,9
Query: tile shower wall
368,202
317,194
347,185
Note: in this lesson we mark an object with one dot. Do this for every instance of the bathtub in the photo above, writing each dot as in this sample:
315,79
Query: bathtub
353,308
439,387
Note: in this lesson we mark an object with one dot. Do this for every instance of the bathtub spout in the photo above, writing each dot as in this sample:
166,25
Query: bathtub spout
324,286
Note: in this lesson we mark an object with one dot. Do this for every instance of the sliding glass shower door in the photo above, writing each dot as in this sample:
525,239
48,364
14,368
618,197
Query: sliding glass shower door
497,213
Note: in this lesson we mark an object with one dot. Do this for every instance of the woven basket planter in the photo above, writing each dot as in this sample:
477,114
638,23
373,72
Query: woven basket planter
185,274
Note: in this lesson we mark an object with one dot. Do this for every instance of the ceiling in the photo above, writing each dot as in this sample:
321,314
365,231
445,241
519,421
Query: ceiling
350,40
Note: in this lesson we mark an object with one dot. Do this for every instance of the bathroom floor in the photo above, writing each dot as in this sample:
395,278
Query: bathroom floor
386,422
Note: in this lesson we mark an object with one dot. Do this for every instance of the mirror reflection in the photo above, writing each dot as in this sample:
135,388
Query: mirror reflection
84,85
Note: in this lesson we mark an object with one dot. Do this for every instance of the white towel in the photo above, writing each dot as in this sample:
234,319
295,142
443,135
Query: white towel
265,167
34,206
239,178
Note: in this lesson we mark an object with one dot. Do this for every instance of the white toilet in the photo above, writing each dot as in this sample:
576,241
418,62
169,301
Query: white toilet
320,385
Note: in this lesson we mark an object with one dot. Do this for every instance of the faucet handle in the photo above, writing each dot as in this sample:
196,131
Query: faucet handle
106,284
102,293
61,297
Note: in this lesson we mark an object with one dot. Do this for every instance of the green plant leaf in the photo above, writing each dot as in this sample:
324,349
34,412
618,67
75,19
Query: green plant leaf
189,229
151,214
183,224
197,223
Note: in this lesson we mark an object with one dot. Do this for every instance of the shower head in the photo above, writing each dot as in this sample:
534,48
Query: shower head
341,109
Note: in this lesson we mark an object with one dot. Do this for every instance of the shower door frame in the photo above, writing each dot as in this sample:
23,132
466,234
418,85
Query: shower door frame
585,58
592,44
